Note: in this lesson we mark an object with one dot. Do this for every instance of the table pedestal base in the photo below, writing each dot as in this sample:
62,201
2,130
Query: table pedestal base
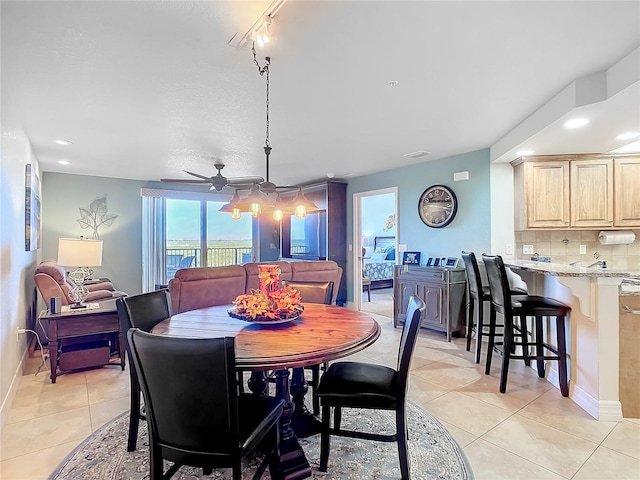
293,462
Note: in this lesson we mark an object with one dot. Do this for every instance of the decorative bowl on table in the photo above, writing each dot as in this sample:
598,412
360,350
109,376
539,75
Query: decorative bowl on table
271,303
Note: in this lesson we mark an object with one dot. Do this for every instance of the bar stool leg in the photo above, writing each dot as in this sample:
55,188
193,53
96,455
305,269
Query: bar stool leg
492,336
540,347
562,356
470,323
479,328
524,330
506,354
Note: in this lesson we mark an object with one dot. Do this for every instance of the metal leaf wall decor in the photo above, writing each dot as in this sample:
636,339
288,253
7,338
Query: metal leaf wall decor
96,216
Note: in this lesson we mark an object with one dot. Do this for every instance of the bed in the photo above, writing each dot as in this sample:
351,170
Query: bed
378,264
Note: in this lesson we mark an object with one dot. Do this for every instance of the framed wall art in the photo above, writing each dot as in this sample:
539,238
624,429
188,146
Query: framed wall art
32,209
411,258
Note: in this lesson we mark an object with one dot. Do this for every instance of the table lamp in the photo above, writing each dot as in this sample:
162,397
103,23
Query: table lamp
82,254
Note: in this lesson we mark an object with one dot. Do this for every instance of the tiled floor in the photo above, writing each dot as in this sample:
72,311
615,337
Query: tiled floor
531,432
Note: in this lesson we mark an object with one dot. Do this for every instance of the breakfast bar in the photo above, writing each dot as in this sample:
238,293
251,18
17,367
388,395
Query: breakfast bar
594,329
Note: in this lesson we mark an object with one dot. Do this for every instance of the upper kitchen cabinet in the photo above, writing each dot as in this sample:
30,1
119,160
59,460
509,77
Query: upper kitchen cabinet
591,187
541,193
626,172
576,192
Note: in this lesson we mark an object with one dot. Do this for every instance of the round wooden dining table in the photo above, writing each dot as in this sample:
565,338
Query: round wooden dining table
320,334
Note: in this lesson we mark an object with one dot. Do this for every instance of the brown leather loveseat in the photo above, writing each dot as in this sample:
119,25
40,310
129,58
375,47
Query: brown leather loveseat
193,288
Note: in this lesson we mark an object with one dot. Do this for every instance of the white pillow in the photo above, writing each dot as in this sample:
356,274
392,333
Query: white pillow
367,252
378,256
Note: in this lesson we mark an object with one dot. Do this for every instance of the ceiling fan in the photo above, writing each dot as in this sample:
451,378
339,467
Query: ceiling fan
218,181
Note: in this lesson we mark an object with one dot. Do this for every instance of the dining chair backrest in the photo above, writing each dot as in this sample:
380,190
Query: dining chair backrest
498,284
408,340
190,391
312,292
144,311
473,274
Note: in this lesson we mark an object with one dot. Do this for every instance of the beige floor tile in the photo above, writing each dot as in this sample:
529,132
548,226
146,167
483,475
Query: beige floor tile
109,384
41,383
490,462
49,402
548,447
38,465
461,437
610,465
487,389
625,438
469,414
556,411
33,435
422,391
633,420
103,412
448,373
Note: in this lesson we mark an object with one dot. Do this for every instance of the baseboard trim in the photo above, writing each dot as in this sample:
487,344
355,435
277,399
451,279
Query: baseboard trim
13,388
602,410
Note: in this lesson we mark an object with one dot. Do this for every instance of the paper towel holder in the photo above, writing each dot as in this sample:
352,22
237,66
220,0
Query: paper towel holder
616,237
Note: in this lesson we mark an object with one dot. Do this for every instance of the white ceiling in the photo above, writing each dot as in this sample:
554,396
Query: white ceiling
146,89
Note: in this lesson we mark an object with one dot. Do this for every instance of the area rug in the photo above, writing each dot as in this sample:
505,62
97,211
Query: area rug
434,454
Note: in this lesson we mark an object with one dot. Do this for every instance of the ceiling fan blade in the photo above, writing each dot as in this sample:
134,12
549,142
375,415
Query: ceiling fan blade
179,180
197,175
243,180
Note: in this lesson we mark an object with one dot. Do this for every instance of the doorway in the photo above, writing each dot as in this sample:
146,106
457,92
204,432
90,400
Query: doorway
375,250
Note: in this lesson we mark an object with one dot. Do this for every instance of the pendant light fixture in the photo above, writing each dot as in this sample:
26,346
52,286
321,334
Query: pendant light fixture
258,201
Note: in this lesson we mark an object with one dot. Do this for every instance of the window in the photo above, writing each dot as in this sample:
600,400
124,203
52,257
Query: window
184,230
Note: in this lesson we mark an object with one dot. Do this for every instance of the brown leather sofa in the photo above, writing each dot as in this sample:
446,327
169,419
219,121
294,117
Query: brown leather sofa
51,280
193,288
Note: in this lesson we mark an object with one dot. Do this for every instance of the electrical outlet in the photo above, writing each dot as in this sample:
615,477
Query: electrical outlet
19,332
583,249
527,249
508,249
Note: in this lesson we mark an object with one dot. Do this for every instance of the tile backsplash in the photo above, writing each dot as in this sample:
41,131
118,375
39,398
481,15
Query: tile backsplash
563,246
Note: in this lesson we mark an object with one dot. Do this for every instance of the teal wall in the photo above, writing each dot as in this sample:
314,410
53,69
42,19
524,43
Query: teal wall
471,228
63,195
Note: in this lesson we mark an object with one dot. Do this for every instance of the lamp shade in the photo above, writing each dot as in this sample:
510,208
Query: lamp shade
79,252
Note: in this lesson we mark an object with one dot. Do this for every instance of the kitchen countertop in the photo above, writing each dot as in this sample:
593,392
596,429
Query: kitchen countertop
563,270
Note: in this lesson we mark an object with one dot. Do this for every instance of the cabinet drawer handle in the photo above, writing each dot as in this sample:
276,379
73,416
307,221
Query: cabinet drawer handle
633,312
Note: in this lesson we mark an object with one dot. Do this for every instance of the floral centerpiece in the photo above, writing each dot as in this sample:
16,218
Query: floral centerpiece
271,302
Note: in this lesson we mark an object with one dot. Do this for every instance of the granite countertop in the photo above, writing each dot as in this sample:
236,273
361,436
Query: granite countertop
563,270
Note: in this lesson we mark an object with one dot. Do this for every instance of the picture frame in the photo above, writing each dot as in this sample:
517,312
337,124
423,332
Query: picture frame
436,262
452,262
411,258
430,262
32,209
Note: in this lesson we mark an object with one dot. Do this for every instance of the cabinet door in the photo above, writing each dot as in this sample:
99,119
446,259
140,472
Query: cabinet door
592,193
434,313
627,196
547,194
404,288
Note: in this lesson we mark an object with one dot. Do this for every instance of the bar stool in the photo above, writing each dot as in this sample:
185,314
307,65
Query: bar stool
478,294
524,306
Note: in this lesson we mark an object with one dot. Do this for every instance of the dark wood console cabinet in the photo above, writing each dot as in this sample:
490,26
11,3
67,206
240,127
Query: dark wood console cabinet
442,289
325,230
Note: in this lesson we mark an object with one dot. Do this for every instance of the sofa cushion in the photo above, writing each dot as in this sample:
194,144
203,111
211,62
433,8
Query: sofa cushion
193,288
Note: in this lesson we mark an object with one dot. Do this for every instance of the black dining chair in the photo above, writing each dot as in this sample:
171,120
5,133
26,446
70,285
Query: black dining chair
478,294
366,385
522,307
142,311
195,414
313,292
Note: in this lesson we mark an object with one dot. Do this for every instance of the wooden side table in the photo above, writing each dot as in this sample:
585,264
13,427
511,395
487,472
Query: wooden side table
82,324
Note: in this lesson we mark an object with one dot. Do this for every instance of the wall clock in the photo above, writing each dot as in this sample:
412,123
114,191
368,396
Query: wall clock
437,206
